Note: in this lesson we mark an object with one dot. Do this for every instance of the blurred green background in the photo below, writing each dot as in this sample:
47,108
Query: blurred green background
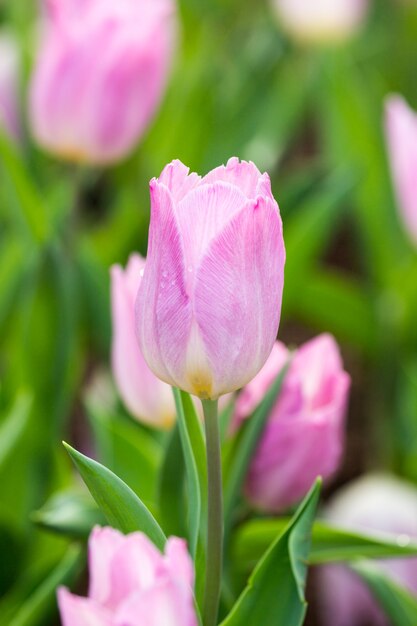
311,117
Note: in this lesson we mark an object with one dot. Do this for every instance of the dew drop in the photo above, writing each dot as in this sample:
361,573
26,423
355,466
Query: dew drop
403,540
142,271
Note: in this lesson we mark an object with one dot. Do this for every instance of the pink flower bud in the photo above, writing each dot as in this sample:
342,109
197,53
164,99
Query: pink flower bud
321,21
9,85
100,74
133,584
372,504
401,131
304,435
209,304
147,398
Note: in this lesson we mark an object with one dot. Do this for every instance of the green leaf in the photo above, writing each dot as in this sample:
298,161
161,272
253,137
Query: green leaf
195,463
275,591
69,513
245,445
122,508
329,543
171,482
398,603
33,609
29,200
14,426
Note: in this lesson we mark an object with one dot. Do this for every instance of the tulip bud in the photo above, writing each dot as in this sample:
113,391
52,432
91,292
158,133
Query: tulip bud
131,582
371,504
147,398
9,85
321,21
99,76
209,304
401,132
303,437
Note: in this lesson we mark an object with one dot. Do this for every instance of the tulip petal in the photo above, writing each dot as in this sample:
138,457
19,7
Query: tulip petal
238,294
179,562
163,306
176,176
401,130
202,215
165,604
242,174
278,479
102,546
76,611
146,397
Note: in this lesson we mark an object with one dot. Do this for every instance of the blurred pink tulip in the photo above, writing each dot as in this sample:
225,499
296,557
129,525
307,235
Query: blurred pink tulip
401,131
372,504
321,21
304,436
133,584
209,303
100,74
146,396
9,85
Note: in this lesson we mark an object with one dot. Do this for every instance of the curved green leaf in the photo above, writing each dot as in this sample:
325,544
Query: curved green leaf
122,508
275,591
329,544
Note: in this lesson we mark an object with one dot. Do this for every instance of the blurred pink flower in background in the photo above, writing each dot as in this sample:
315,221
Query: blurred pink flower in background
209,304
321,21
100,74
372,504
146,396
401,132
133,584
304,435
9,85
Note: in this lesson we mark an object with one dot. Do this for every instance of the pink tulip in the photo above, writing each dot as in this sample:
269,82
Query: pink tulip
100,74
9,85
401,131
133,584
304,435
321,21
147,398
372,504
208,307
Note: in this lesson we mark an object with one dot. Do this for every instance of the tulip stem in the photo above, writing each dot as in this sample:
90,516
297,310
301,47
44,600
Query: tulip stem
214,547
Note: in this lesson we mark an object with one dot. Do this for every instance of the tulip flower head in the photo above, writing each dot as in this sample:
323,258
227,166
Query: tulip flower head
401,132
148,398
304,435
133,584
100,74
321,21
209,303
373,504
9,85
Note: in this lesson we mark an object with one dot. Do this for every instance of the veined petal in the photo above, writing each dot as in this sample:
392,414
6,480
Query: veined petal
76,611
238,294
163,306
176,176
202,215
242,174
